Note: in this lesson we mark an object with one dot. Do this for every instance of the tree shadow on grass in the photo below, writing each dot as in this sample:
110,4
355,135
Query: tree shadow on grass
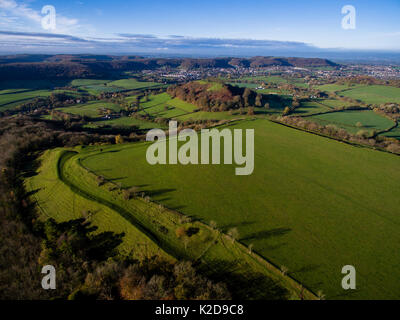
117,179
159,192
141,186
346,295
112,151
31,193
246,286
263,235
179,208
235,225
307,268
98,247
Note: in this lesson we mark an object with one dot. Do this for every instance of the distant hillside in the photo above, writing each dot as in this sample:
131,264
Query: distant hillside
17,67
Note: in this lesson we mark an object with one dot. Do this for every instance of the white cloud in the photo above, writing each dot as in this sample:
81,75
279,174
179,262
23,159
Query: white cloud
14,13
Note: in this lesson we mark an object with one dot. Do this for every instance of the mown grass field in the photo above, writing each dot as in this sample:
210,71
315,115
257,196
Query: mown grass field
348,120
374,94
91,109
149,229
313,205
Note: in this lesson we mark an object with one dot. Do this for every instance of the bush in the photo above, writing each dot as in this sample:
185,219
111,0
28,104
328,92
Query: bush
180,232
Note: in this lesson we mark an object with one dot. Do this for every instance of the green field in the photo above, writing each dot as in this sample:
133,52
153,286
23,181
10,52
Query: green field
271,79
245,85
348,120
227,115
394,133
162,106
95,86
11,98
203,115
215,86
71,205
15,93
332,103
333,87
125,122
312,204
374,94
274,79
149,229
88,82
153,100
14,97
132,84
182,105
334,204
311,107
91,109
283,93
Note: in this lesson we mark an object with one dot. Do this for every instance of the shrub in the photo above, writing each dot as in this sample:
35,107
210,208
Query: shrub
180,232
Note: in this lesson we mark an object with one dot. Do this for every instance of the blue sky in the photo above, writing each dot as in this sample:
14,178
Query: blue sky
227,24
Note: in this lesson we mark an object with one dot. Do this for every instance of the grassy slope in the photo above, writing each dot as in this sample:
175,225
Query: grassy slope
348,120
311,107
334,103
88,82
157,104
226,115
312,204
125,122
272,79
90,109
132,84
374,94
334,87
10,100
57,201
218,254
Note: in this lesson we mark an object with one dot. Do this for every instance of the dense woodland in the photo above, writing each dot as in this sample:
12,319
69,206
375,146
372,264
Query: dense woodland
226,97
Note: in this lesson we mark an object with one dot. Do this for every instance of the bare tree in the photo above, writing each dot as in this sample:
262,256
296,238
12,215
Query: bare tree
234,234
320,295
213,224
284,270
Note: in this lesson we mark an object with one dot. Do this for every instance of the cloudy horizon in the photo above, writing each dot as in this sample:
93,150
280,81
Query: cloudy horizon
105,28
